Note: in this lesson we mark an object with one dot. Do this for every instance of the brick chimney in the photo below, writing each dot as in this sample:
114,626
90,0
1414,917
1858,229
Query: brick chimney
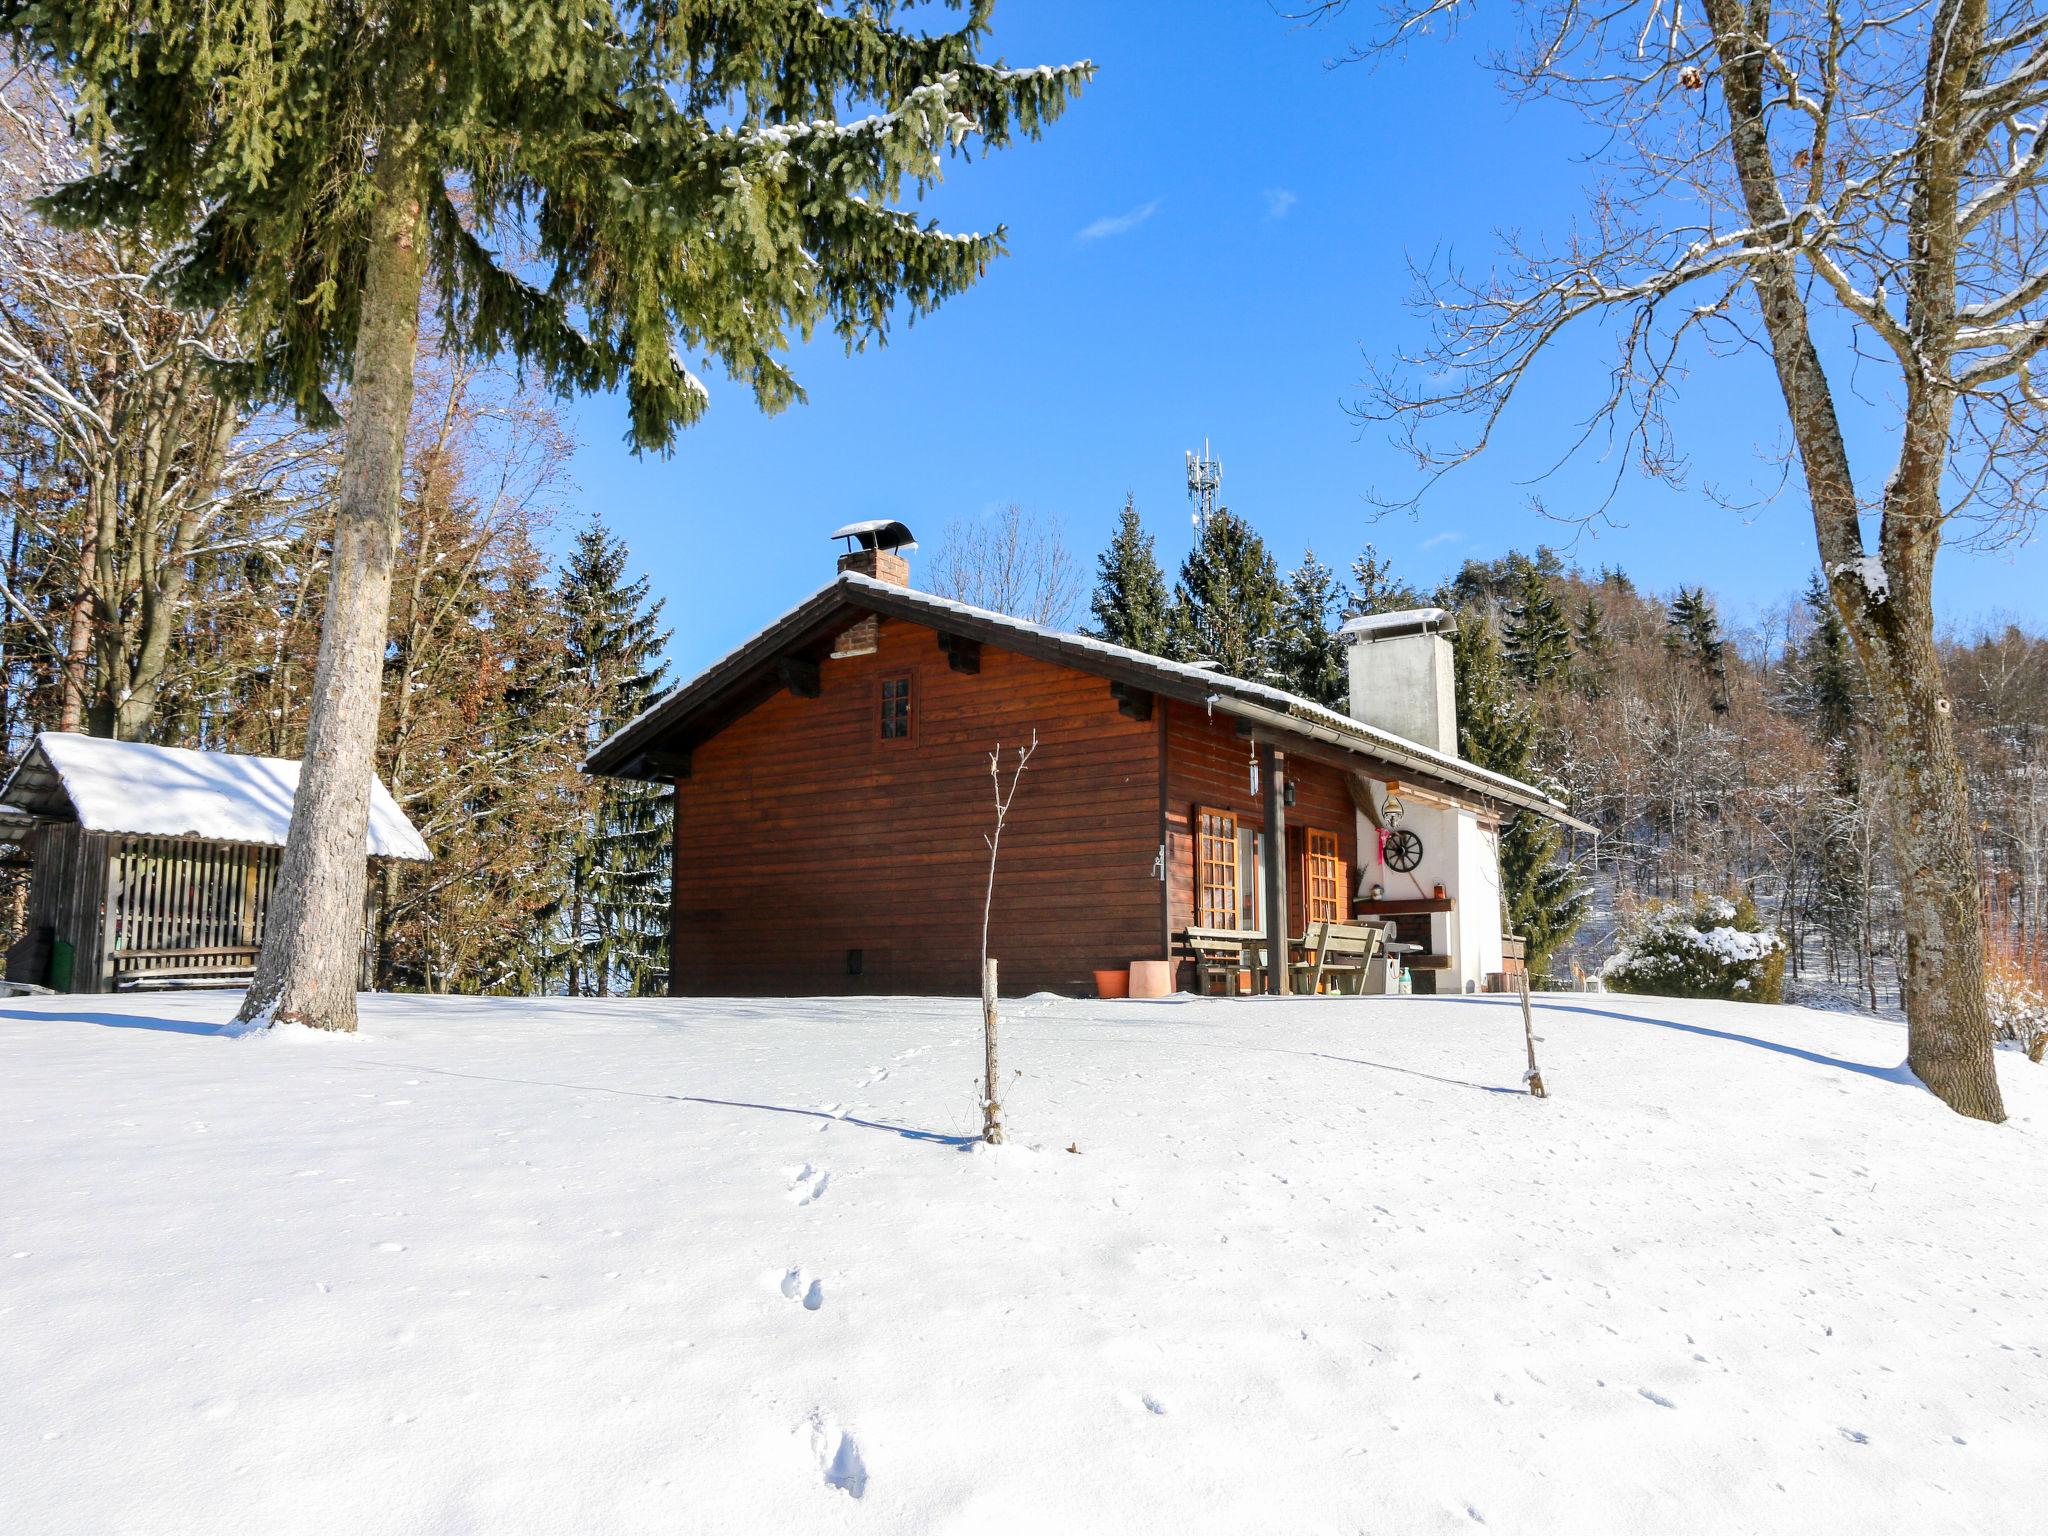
874,548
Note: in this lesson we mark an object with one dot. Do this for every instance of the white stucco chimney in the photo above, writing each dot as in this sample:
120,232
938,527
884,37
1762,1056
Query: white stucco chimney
1401,677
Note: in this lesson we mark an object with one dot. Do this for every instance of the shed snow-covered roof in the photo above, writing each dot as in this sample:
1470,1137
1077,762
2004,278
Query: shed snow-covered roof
701,705
224,797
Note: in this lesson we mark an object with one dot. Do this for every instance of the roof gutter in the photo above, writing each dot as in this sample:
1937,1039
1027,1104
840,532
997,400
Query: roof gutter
1498,786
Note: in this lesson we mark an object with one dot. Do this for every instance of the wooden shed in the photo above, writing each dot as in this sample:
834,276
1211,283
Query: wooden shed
154,866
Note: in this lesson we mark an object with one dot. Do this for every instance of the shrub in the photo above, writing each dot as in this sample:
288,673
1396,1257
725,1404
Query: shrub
1718,949
2019,1008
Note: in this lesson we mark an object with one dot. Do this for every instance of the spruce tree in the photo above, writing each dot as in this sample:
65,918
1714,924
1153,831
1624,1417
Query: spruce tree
1593,651
1537,641
1306,655
1542,896
1826,689
1130,603
614,909
702,179
1375,589
1693,630
1226,605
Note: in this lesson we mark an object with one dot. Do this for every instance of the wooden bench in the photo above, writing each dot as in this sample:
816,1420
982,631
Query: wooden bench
1219,956
135,969
1344,953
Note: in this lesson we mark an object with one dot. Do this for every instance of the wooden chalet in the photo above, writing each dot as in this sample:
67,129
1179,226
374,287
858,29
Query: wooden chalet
833,790
154,866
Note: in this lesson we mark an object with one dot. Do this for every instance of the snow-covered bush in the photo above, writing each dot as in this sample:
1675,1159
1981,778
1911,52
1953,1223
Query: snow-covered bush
2019,1008
1718,949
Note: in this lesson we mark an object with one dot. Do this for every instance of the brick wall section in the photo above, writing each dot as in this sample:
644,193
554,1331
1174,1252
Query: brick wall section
1208,763
801,834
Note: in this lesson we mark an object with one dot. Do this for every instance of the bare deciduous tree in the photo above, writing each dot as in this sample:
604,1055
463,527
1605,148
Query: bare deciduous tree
1778,174
1011,560
166,473
991,1094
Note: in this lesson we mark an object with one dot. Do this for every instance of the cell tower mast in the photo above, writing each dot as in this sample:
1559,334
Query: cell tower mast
1205,478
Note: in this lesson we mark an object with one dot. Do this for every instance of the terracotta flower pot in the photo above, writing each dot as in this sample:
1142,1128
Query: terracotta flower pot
1113,983
1151,978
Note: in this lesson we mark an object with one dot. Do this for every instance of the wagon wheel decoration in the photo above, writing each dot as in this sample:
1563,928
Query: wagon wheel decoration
1403,850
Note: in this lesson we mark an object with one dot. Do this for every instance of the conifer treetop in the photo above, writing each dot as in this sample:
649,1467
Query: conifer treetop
610,185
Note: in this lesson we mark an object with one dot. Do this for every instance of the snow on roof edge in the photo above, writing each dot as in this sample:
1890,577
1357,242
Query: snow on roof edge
230,797
1207,677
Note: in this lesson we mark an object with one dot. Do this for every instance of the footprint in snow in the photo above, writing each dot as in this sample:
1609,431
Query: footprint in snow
807,1184
1656,1397
811,1293
1855,1436
839,1458
1152,1404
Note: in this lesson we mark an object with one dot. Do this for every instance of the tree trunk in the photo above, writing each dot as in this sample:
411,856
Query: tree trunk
307,971
78,636
1948,1022
991,1078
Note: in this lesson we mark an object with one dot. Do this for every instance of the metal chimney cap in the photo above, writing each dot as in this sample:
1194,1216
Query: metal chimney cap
876,533
1392,626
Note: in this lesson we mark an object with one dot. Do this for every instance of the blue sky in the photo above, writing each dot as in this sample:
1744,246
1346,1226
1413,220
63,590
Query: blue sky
1205,247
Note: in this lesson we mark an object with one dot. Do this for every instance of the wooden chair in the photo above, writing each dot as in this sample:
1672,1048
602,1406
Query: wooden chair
1219,956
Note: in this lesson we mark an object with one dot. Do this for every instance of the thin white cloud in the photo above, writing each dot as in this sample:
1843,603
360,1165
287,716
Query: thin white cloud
1279,202
1446,537
1119,224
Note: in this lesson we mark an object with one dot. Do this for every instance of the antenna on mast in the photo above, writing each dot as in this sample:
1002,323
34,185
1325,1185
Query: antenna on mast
1205,478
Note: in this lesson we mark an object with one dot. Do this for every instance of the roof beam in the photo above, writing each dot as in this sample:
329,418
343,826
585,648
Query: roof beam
962,654
1131,701
799,675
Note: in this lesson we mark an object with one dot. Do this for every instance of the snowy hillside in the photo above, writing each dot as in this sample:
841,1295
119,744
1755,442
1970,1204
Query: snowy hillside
1317,1266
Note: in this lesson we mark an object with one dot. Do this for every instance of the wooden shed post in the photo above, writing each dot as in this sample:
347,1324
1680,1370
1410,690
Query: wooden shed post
1272,764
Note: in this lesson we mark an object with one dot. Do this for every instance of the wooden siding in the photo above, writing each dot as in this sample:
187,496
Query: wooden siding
185,893
802,835
1208,763
67,894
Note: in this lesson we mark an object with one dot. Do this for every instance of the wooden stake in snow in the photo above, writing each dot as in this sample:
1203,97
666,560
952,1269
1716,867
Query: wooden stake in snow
991,1099
1532,1077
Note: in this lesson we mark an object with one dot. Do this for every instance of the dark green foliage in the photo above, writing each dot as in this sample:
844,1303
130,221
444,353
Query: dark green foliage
614,914
1693,631
1829,683
1226,606
1536,639
1490,585
606,188
1307,656
1542,896
1593,651
1718,950
1374,588
1130,603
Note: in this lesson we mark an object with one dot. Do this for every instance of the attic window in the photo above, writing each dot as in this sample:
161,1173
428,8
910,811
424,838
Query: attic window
895,708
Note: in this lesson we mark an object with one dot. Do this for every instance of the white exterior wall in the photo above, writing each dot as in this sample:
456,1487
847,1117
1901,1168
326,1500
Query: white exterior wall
1460,855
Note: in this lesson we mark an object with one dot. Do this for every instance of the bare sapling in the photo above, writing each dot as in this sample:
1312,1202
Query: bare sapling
1533,1077
991,1098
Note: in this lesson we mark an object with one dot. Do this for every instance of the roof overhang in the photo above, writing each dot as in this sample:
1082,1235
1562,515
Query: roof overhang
657,745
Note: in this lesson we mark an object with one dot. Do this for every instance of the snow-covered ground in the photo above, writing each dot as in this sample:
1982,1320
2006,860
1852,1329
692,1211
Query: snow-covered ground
503,1267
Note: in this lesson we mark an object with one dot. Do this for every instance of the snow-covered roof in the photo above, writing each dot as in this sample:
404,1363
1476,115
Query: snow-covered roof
1195,680
1404,621
148,791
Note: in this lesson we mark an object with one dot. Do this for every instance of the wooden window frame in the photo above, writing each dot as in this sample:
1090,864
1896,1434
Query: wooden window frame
910,693
1225,912
1332,851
